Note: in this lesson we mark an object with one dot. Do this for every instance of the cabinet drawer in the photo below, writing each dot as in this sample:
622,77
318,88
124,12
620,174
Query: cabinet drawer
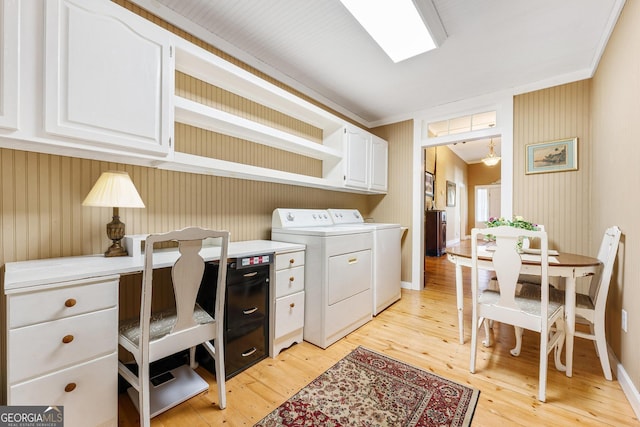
289,314
289,281
244,351
72,299
93,402
246,303
38,349
289,260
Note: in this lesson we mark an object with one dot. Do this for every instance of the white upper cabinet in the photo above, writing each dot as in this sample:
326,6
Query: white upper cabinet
108,77
91,79
364,162
9,63
379,164
357,146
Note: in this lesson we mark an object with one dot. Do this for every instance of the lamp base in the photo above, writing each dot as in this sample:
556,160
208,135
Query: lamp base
116,250
115,232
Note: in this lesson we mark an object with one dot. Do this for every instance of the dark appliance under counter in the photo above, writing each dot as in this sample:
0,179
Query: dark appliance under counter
246,320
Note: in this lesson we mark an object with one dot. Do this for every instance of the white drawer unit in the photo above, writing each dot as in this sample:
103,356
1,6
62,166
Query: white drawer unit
62,347
288,308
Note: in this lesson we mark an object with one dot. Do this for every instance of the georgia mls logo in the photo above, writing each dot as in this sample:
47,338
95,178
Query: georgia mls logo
31,416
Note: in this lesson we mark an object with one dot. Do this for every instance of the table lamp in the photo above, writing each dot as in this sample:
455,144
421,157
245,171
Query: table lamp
114,189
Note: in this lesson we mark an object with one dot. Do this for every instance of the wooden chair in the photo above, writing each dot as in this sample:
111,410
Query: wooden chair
590,307
157,335
530,278
504,305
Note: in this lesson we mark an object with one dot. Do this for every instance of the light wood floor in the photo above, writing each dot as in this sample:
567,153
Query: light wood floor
421,329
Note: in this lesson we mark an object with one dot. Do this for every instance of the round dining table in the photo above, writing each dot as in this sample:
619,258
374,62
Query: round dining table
561,264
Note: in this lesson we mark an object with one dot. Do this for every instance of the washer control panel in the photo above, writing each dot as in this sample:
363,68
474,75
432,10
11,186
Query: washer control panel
288,218
346,216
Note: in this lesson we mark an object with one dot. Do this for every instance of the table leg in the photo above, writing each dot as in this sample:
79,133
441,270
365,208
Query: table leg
460,302
570,323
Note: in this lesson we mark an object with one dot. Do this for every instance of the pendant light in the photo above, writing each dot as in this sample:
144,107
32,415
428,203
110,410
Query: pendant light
491,159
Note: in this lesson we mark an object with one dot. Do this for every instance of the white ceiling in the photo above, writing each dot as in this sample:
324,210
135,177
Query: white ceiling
474,151
318,48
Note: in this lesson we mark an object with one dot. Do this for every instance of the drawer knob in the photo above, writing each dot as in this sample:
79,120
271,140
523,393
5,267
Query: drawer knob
293,304
292,261
291,279
70,302
67,339
70,387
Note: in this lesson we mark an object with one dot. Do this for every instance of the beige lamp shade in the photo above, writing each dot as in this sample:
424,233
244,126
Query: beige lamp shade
114,189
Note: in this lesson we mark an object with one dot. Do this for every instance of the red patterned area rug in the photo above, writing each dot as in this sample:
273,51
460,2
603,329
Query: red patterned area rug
369,389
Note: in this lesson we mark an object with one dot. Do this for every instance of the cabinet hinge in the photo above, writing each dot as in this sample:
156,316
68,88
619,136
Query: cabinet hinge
169,141
170,51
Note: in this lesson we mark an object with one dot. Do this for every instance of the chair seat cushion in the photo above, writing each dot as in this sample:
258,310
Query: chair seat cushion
528,303
529,290
159,325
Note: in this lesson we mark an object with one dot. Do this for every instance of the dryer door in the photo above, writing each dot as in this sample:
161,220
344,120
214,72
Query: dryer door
349,274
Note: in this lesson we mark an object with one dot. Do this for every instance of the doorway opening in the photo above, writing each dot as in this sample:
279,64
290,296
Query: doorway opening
426,137
487,203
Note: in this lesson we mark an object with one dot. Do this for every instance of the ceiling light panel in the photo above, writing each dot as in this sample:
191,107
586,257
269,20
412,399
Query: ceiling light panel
395,25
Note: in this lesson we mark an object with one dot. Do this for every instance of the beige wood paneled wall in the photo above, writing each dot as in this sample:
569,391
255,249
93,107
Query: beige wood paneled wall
395,207
615,91
42,216
561,201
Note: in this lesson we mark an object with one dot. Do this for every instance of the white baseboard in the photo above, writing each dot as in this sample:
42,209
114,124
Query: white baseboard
453,242
628,388
406,285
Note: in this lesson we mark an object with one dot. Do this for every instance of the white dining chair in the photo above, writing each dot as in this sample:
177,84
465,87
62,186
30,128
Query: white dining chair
528,278
504,305
156,335
590,306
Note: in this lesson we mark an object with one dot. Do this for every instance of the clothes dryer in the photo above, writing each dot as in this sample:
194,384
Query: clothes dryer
386,256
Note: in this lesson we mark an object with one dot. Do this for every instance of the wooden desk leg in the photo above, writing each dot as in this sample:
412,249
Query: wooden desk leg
570,324
460,302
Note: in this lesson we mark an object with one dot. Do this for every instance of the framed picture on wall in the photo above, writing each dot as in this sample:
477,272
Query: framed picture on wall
428,184
554,156
451,193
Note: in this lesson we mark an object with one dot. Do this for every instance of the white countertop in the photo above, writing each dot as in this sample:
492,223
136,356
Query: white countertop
25,274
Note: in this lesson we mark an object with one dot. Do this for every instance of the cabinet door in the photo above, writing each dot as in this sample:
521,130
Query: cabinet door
9,63
88,392
357,158
289,314
108,77
379,160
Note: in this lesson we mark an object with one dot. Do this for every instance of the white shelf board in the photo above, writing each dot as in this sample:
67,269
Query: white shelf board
183,162
202,116
201,64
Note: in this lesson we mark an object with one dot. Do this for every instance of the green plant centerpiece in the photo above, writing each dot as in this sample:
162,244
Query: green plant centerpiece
517,222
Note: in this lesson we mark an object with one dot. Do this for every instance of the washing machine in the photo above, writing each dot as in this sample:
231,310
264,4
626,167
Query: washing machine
386,256
338,272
